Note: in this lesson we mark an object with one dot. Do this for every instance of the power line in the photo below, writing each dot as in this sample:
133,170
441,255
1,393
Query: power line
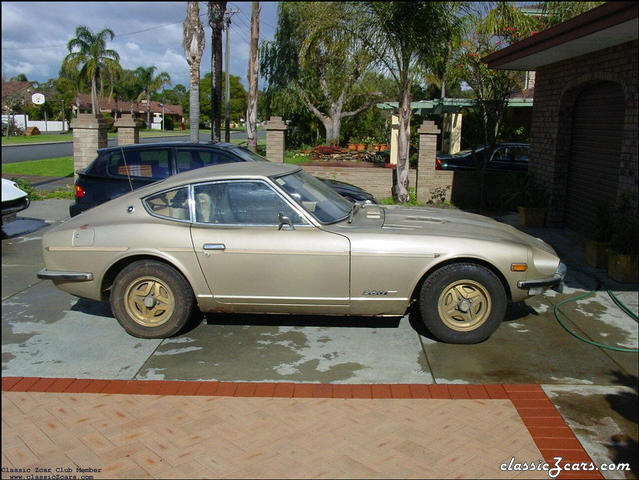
117,35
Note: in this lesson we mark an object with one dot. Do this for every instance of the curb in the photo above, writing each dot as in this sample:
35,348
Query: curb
548,429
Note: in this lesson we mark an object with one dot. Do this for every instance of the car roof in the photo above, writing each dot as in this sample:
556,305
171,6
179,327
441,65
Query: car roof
219,145
225,170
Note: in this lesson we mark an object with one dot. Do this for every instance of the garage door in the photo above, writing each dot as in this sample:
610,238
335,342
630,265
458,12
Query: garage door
595,149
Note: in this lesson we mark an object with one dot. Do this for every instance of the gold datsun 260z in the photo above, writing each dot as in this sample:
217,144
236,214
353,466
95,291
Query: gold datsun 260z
270,238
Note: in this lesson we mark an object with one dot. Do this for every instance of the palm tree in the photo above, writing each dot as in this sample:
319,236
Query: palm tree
150,84
193,43
89,51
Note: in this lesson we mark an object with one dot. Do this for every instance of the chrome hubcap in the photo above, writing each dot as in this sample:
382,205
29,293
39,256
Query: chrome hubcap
464,305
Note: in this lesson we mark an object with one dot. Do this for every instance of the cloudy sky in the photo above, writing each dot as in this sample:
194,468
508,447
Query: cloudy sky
35,34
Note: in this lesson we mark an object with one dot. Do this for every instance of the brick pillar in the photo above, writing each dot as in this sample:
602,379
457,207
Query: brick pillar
275,129
427,177
89,134
128,129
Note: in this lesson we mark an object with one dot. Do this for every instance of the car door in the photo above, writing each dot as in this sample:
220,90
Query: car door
249,261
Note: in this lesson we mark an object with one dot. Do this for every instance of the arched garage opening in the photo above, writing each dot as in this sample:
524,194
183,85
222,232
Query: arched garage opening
593,170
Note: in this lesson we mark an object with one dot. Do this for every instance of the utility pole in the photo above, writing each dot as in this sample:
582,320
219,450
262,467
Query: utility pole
227,116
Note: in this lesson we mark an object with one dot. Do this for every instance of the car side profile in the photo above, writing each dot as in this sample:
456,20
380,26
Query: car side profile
270,238
118,170
505,157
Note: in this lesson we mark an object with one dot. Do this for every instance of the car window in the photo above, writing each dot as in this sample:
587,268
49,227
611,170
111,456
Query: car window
247,155
501,157
314,196
520,154
172,204
153,163
241,203
190,159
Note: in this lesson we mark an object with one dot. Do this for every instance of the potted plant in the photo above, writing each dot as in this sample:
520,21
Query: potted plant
533,203
598,243
623,254
352,143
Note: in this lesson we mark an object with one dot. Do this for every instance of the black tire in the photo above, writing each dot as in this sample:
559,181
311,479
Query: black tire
151,299
462,303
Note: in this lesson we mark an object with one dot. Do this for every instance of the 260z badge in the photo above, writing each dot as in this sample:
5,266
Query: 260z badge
379,293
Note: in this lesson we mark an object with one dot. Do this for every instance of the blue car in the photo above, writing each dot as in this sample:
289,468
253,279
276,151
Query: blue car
118,170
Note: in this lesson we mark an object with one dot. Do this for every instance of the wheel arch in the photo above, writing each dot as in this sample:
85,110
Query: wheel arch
458,260
112,271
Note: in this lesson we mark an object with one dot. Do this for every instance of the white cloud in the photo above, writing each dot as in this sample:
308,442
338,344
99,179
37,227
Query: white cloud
35,34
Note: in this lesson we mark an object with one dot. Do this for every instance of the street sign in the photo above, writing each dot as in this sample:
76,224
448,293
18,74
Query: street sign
37,99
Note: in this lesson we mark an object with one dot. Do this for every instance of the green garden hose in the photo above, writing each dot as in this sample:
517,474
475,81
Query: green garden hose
625,309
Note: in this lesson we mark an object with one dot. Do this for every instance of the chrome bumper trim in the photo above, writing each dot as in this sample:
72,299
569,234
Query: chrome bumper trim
45,274
555,281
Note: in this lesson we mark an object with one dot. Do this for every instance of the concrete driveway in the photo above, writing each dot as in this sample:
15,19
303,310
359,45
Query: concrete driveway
48,333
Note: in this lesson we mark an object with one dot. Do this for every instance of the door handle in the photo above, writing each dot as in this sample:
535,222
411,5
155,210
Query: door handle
214,246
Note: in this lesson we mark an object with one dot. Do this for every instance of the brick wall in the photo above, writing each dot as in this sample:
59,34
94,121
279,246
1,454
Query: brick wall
377,181
556,88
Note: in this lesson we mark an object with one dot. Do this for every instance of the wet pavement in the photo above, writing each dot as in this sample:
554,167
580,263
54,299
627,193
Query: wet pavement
48,333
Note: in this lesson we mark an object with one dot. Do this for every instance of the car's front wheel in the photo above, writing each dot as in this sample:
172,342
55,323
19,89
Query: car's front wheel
151,299
462,303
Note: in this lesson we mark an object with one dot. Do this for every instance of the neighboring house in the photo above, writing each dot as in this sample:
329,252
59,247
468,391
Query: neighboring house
82,104
584,126
15,95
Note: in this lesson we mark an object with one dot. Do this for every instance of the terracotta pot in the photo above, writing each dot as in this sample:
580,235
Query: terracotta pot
623,268
361,146
532,216
597,253
352,146
383,147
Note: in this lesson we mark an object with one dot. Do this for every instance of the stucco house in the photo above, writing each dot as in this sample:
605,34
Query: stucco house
584,121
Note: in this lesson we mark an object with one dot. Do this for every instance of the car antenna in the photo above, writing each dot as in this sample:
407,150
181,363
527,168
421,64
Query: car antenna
128,174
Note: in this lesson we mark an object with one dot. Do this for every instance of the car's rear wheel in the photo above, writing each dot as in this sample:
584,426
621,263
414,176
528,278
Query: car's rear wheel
151,299
462,303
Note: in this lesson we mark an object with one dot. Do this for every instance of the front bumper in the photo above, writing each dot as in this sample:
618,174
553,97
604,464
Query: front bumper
45,274
15,206
556,282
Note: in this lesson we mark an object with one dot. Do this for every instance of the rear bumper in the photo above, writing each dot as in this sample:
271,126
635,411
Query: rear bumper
555,282
45,274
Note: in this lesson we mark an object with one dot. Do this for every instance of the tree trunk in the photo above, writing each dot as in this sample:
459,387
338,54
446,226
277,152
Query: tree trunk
94,98
401,193
251,111
194,102
333,127
216,21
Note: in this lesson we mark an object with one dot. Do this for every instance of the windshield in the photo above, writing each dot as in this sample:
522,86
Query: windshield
248,156
314,196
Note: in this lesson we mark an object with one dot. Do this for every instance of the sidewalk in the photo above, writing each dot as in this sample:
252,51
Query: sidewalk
159,429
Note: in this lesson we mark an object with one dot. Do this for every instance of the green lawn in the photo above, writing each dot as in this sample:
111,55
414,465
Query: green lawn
48,167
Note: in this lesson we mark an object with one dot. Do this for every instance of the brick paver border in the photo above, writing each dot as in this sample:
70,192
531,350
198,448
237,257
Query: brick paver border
548,429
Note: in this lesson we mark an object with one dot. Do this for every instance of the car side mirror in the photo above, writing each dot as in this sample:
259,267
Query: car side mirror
284,221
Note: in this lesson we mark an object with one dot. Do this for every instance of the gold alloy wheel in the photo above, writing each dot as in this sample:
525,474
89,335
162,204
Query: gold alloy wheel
464,305
149,301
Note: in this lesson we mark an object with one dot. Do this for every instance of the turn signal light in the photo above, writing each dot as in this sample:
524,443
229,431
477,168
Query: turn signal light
79,191
519,267
438,164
